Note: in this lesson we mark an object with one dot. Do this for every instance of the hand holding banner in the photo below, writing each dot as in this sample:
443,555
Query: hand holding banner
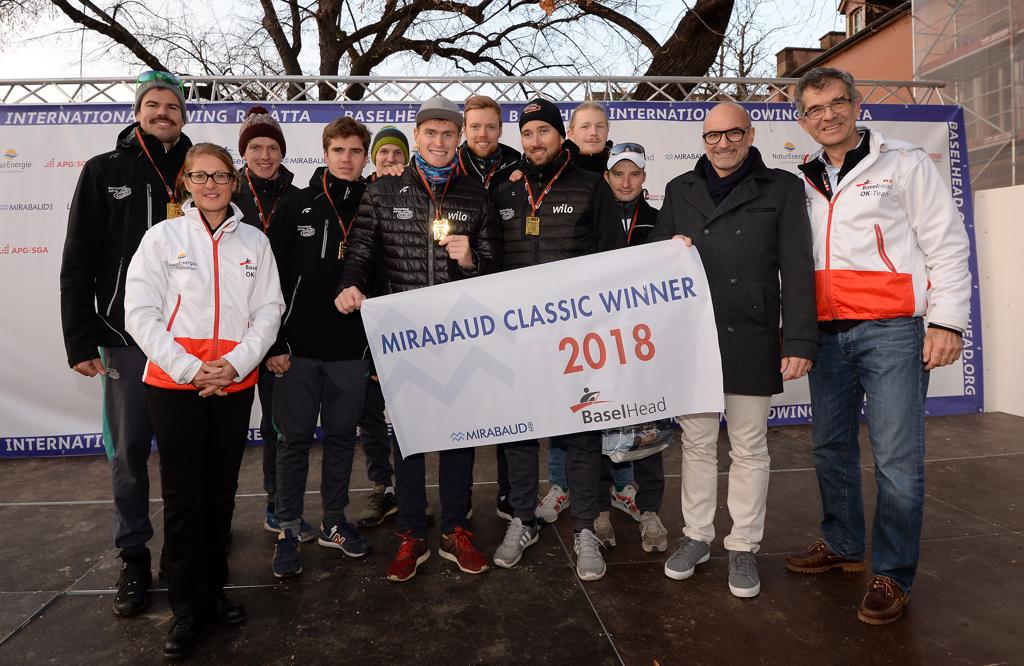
595,342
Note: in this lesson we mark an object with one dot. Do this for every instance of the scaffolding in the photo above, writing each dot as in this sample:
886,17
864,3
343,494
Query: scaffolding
975,47
414,90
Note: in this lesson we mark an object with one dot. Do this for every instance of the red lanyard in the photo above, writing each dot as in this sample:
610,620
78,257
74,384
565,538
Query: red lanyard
170,192
341,223
430,192
529,191
636,212
490,174
264,219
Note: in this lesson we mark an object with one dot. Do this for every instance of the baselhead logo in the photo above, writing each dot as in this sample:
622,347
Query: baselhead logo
588,399
618,412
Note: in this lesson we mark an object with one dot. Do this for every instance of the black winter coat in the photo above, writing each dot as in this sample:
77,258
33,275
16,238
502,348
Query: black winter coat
394,230
118,197
270,192
615,236
305,236
757,235
508,161
571,215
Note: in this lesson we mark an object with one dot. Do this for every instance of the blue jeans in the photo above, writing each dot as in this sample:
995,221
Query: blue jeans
880,359
621,472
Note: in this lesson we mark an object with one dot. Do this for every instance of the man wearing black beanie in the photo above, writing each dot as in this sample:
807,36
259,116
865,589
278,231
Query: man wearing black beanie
534,233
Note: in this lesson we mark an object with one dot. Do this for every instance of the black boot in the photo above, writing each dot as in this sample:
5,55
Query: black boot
222,609
133,585
181,639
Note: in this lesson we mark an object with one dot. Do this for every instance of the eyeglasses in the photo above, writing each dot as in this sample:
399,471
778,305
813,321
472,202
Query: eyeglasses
166,77
620,148
734,135
220,177
841,105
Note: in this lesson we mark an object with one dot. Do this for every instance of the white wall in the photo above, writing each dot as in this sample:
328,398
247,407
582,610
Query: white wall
999,233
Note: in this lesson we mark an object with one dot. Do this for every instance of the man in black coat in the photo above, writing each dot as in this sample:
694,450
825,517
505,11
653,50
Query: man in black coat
431,225
750,224
120,195
264,182
554,212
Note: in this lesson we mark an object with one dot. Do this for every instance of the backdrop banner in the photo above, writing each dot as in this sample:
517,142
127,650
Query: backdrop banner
47,410
589,343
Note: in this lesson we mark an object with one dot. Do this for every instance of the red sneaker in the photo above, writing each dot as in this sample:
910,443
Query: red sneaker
457,546
411,554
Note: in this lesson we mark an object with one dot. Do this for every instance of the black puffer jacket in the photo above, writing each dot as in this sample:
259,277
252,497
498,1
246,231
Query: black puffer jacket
394,229
508,161
119,196
305,236
616,236
270,192
571,215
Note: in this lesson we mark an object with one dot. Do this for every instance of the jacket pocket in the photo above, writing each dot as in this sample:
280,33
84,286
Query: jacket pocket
771,209
174,313
880,240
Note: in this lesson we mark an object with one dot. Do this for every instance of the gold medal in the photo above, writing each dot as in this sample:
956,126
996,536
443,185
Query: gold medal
532,225
441,228
173,210
342,246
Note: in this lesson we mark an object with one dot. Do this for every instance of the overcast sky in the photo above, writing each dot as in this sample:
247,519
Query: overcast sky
54,49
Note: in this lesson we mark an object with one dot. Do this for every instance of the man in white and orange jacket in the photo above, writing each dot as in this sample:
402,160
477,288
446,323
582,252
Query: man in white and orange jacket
890,251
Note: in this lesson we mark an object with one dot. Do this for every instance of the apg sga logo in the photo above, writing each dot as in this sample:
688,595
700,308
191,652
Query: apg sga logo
590,399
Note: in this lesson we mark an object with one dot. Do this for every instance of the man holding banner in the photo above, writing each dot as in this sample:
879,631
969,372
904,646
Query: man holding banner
750,224
552,213
431,225
119,196
889,249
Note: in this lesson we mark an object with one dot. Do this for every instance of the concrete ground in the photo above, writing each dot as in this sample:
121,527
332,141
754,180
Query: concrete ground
58,570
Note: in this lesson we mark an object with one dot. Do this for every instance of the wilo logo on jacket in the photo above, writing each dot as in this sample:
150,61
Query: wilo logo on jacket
459,215
562,208
403,213
119,192
871,188
306,230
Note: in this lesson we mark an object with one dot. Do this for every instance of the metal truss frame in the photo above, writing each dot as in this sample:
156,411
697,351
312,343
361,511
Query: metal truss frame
414,90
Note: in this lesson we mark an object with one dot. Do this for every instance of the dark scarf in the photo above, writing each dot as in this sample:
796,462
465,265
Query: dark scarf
718,187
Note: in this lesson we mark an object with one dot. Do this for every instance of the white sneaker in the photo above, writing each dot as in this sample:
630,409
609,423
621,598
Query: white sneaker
653,535
589,563
625,501
518,537
603,529
552,504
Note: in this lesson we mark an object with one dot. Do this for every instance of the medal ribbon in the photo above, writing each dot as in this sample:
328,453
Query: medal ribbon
490,174
430,192
170,192
629,233
264,219
529,191
341,223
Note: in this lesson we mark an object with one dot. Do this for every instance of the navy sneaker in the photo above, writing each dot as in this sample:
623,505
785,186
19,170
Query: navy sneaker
345,537
306,531
287,561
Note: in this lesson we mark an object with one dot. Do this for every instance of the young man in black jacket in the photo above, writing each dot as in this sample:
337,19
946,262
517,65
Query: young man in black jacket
320,355
119,196
264,183
431,225
534,233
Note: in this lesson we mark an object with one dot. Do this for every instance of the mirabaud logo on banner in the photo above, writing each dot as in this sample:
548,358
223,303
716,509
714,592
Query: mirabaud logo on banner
491,432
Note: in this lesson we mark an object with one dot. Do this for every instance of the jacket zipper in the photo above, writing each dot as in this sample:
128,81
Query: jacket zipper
829,300
149,206
881,248
216,295
430,246
170,322
117,285
291,303
323,248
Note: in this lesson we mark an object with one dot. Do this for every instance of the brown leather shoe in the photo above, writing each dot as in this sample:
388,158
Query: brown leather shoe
884,602
819,559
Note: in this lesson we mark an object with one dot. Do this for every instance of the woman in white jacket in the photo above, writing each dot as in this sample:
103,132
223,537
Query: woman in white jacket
203,302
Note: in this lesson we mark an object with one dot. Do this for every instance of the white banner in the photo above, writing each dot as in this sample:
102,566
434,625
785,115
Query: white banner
590,343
